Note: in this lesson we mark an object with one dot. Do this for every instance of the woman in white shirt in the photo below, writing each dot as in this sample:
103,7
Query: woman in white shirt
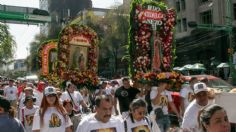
137,119
51,117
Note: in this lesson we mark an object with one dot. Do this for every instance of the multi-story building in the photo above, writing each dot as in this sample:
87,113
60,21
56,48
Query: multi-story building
43,4
202,45
62,12
15,65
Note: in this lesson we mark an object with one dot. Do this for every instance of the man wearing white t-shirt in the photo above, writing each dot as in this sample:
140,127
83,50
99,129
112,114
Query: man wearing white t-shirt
102,120
10,92
190,119
161,98
186,94
74,96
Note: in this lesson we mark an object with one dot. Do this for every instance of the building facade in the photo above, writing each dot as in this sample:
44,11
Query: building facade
207,45
61,12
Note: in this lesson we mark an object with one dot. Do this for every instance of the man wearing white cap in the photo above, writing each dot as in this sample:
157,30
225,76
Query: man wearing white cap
190,119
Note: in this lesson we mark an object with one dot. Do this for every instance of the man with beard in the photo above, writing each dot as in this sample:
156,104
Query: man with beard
102,120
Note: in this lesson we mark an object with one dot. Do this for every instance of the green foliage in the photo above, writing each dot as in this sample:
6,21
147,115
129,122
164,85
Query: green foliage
34,46
112,31
7,44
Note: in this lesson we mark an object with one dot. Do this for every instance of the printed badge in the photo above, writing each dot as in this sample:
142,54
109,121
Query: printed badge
124,93
143,128
163,101
29,119
55,121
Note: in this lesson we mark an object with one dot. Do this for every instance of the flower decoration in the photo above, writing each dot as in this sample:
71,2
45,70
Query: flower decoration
88,77
173,77
42,46
83,78
147,18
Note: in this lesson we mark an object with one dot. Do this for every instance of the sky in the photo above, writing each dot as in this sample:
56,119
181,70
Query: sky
24,34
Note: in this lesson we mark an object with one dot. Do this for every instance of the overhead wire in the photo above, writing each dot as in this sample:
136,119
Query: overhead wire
201,37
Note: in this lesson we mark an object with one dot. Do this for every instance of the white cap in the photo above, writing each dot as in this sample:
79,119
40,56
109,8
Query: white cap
199,87
68,83
50,90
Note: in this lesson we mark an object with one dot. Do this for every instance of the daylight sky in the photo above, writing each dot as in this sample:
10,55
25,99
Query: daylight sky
24,34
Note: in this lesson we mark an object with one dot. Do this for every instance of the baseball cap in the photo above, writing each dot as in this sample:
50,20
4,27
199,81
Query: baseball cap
68,83
199,87
50,90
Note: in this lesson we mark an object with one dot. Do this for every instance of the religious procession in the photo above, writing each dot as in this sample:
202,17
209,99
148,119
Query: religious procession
69,96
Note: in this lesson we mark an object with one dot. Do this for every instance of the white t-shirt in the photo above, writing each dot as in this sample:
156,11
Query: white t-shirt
165,99
91,124
190,119
10,92
28,117
137,126
53,121
76,96
187,94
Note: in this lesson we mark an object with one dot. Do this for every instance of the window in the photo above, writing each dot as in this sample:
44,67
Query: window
177,6
183,4
184,24
235,11
206,17
179,26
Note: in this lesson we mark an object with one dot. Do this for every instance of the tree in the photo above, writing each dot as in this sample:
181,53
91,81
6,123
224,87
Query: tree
115,38
7,44
34,46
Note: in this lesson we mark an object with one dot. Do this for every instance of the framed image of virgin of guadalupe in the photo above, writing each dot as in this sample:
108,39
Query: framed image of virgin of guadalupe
79,53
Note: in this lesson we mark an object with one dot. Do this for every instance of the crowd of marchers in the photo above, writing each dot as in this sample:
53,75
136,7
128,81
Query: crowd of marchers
41,107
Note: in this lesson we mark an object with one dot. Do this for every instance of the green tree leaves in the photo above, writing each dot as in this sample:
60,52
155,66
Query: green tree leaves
7,44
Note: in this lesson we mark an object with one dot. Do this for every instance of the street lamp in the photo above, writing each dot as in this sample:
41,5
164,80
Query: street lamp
228,28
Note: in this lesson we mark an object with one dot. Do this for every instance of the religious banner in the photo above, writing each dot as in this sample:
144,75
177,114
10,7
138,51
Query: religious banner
151,40
48,57
78,55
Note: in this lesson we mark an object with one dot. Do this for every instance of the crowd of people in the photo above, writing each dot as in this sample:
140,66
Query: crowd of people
113,107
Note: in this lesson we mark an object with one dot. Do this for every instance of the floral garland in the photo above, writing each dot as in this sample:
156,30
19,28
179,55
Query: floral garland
88,77
141,40
142,35
173,77
41,49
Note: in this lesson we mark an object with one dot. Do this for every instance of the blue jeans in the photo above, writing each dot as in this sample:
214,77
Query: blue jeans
163,123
